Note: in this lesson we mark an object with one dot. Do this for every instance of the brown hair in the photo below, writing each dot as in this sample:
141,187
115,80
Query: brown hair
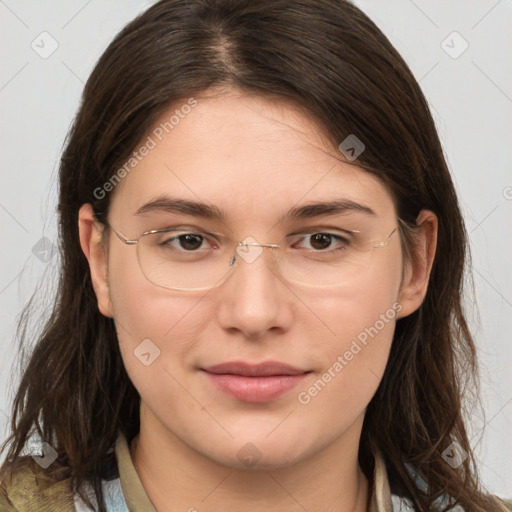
328,57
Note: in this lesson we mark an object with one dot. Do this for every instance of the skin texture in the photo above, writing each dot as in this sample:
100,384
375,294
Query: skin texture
255,158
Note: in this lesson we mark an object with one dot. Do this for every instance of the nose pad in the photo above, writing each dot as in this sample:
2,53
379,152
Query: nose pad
249,250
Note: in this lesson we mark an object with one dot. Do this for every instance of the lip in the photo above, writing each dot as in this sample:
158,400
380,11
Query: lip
254,370
254,382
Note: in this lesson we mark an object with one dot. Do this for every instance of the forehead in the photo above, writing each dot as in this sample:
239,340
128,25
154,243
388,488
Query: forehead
252,156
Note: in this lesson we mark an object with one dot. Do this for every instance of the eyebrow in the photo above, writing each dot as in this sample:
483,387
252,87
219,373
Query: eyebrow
183,206
198,209
334,207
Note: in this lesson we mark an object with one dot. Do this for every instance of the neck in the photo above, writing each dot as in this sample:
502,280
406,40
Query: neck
176,477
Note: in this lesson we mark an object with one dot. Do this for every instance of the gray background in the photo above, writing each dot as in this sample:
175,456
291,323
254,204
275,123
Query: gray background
469,90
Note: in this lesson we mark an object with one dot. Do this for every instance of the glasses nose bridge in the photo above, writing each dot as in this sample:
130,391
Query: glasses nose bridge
244,243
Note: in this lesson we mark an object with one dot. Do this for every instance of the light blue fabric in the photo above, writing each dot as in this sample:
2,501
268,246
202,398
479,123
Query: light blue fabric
114,499
405,505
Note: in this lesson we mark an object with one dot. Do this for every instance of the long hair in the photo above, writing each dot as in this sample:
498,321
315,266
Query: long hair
330,58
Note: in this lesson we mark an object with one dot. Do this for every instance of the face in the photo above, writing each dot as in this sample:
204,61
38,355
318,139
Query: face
254,159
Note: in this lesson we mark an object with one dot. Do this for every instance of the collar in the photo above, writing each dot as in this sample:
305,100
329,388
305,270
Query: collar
137,500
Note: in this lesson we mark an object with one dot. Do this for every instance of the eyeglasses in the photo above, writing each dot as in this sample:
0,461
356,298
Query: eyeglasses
181,259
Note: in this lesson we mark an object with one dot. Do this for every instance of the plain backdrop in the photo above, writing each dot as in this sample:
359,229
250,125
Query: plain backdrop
459,51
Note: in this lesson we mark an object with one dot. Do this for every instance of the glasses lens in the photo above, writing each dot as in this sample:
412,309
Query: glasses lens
192,261
331,259
182,260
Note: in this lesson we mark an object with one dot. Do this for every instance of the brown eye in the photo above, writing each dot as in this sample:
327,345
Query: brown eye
320,241
190,242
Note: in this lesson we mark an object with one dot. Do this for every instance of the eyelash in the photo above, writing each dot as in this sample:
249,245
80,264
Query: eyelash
335,237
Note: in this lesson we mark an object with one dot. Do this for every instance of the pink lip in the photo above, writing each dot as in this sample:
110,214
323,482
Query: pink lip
254,383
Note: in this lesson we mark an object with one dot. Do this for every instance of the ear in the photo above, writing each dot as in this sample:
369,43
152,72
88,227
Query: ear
90,240
417,271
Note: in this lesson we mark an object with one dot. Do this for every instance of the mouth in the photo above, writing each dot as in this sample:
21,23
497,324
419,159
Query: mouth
255,383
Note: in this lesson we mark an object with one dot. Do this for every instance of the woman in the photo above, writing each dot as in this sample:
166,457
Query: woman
262,263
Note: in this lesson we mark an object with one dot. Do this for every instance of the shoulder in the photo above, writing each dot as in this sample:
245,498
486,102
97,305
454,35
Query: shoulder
29,488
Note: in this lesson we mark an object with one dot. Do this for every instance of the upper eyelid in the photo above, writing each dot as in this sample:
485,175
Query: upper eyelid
184,229
327,217
325,230
331,230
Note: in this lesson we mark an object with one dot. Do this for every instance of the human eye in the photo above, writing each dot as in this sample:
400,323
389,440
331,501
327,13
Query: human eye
323,242
178,242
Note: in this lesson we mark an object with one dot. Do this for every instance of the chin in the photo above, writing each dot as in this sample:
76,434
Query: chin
261,453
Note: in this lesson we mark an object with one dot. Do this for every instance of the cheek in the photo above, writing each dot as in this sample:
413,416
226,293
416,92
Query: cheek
349,311
350,358
359,328
151,320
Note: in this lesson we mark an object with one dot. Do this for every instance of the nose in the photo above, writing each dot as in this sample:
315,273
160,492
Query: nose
255,299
